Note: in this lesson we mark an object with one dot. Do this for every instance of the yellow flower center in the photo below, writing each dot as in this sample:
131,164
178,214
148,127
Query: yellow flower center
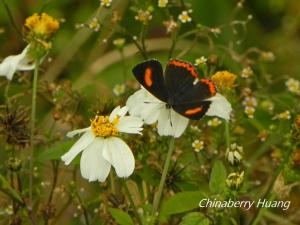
185,17
102,127
42,24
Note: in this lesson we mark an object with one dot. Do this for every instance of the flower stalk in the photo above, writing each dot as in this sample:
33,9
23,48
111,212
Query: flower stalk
227,134
158,195
33,115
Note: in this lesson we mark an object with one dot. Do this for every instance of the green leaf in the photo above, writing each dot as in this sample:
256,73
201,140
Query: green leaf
195,218
8,190
121,217
217,182
56,151
181,202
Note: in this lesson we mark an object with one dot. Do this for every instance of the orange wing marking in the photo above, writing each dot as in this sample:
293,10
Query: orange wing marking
148,77
193,111
186,66
210,84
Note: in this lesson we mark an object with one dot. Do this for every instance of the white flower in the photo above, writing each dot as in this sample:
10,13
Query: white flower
184,17
286,115
143,16
293,85
14,63
200,61
170,123
119,89
102,148
234,154
195,128
198,145
247,72
214,122
105,3
162,3
171,25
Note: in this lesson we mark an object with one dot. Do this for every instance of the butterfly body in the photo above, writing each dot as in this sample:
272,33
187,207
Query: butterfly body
179,87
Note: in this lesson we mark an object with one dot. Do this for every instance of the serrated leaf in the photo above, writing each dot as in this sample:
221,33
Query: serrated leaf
217,182
8,190
195,218
120,216
181,202
56,151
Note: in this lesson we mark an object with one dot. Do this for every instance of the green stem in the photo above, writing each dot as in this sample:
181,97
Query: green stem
158,195
174,41
112,183
142,37
124,65
11,18
227,134
33,115
84,209
132,204
6,91
140,49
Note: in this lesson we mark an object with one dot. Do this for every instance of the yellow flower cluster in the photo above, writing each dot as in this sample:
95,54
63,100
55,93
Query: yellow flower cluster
42,24
102,127
224,79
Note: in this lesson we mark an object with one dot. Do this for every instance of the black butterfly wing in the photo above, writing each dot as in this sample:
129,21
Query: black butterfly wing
150,76
179,77
193,111
187,93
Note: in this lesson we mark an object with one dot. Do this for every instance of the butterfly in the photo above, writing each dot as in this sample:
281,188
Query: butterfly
179,86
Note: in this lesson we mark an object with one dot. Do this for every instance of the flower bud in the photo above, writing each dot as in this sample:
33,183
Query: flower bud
234,154
14,164
235,180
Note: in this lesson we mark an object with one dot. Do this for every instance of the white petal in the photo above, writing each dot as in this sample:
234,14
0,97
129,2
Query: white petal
9,66
79,145
134,101
219,107
118,153
15,62
79,131
118,111
92,164
130,124
26,64
170,123
144,105
179,123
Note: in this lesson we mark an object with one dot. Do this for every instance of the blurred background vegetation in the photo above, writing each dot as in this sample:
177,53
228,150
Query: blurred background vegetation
93,64
275,27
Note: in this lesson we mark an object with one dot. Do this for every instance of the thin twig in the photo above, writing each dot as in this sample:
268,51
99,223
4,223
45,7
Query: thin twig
11,18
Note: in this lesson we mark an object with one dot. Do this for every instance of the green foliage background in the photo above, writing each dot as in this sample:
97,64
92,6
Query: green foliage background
95,66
